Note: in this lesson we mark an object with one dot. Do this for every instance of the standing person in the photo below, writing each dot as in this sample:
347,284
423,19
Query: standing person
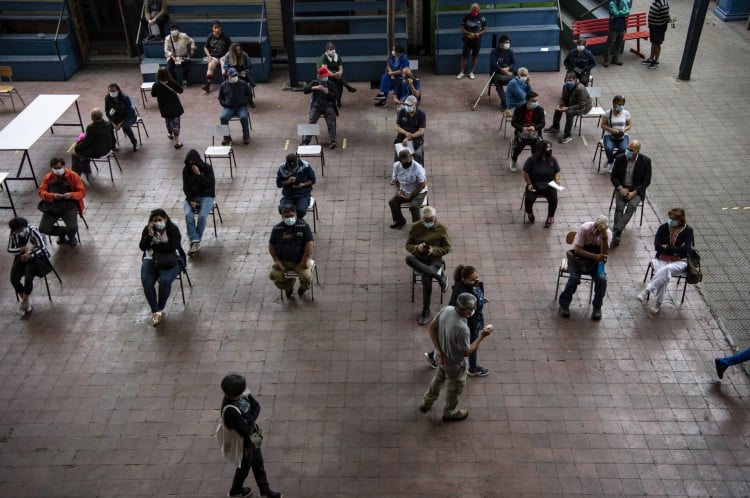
631,176
62,194
234,97
119,110
295,178
28,246
618,16
394,66
528,122
587,257
160,243
410,181
673,243
332,61
323,103
427,243
217,45
616,124
178,49
167,93
466,280
291,248
199,185
658,19
410,126
574,101
503,66
473,26
450,336
96,142
581,61
239,412
238,59
538,171
156,14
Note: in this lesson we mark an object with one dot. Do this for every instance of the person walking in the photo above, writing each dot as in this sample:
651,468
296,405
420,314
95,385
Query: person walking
167,92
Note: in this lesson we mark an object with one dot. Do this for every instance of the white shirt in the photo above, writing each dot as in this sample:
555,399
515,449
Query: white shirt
409,178
617,122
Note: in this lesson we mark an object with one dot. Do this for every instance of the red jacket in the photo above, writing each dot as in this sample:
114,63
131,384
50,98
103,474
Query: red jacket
75,182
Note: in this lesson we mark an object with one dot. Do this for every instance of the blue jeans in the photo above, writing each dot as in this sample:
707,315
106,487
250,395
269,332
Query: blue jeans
300,203
611,142
387,84
150,274
241,112
735,359
600,288
195,234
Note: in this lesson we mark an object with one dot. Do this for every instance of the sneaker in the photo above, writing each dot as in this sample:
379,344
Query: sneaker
548,222
653,65
194,247
564,311
596,315
605,63
459,414
170,136
154,318
178,145
647,62
159,317
616,62
379,96
655,308
29,308
430,358
381,103
552,129
642,296
424,408
424,317
184,83
720,368
245,141
397,225
206,88
478,372
566,139
244,493
606,169
615,240
271,494
72,241
513,166
226,141
471,76
443,283
22,310
459,75
333,145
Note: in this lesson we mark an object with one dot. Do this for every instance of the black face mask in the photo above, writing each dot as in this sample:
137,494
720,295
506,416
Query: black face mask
292,167
548,153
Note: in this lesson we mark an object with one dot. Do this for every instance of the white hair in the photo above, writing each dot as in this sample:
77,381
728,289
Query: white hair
428,212
522,70
602,219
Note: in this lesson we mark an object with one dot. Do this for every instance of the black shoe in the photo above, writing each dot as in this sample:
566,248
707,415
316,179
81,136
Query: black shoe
333,145
135,147
531,217
478,372
226,141
424,317
397,225
252,104
380,96
270,494
351,89
596,315
564,311
61,241
653,65
605,63
380,103
616,239
424,408
647,62
206,87
616,62
430,357
720,368
289,292
72,241
552,129
244,493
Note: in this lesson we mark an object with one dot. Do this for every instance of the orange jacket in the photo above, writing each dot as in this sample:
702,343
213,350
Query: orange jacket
75,182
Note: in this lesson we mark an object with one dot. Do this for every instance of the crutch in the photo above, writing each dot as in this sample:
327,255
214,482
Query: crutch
486,86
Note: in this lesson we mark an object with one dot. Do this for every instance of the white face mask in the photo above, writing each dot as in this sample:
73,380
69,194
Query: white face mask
330,53
580,48
290,221
393,53
59,171
159,225
409,108
174,33
23,233
113,94
506,46
234,79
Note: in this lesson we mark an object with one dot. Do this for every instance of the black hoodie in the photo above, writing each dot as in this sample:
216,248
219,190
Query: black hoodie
194,186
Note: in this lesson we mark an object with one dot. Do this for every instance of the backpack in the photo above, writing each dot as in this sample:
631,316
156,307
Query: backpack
230,442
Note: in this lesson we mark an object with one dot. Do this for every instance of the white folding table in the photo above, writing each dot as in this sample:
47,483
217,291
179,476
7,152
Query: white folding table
30,125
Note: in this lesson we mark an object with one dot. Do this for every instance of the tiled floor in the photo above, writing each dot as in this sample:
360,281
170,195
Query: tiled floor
96,402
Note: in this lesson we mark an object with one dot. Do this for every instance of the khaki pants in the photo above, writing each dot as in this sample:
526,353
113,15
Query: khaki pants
454,385
304,274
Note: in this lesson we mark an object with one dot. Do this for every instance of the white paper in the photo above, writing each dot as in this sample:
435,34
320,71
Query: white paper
409,146
556,185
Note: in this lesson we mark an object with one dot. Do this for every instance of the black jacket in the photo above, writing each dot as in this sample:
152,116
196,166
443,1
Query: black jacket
241,423
682,246
321,99
98,140
459,287
167,96
203,185
173,234
235,95
641,173
519,119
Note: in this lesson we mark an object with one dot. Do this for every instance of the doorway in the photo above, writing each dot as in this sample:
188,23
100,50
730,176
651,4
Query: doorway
106,28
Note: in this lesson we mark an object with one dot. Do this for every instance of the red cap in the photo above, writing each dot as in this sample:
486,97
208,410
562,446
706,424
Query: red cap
323,71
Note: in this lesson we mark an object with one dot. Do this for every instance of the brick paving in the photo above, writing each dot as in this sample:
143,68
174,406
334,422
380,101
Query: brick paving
96,402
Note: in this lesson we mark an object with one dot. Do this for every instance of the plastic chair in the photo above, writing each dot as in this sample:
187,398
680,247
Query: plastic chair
313,207
564,271
291,274
220,151
8,87
107,157
595,112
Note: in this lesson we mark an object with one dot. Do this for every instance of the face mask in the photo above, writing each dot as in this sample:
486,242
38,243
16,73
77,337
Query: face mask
568,84
393,53
234,79
673,223
471,314
59,171
533,105
580,48
400,107
174,33
523,79
324,79
159,225
628,154
428,224
330,53
619,108
506,46
290,221
548,153
113,94
474,13
409,108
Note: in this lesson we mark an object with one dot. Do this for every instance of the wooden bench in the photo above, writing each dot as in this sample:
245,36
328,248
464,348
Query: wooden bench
637,22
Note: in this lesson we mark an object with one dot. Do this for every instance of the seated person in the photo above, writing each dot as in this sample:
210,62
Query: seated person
199,185
295,178
332,61
574,101
30,251
631,176
97,142
517,89
217,46
410,125
291,247
540,169
239,60
323,103
581,61
673,242
119,109
410,180
62,195
503,66
427,243
234,96
396,63
616,123
155,12
178,49
528,121
408,85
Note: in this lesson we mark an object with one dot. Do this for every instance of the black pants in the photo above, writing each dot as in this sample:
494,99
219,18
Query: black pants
69,217
22,270
521,143
253,458
179,72
549,193
570,116
429,271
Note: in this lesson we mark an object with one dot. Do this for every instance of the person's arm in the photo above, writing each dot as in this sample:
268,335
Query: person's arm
420,187
615,174
186,184
234,420
416,88
174,86
539,120
412,244
13,248
307,256
147,238
628,125
568,61
175,239
661,239
517,121
590,61
400,130
44,192
487,330
309,86
168,54
432,328
79,191
527,178
274,256
206,45
193,48
556,176
223,96
310,176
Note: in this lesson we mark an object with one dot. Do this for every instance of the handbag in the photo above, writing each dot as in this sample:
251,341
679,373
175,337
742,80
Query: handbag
230,441
694,273
165,260
41,264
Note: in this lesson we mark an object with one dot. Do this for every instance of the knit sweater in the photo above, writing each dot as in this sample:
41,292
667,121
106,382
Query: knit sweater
435,237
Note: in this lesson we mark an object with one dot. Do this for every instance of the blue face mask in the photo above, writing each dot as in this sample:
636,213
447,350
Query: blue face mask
428,224
619,108
290,221
628,154
533,105
673,223
569,84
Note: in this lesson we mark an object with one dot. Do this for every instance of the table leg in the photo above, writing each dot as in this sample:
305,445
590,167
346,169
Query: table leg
10,198
31,167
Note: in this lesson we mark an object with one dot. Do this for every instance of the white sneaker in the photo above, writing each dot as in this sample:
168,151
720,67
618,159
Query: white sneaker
459,76
471,76
642,296
28,305
21,309
655,308
512,165
606,169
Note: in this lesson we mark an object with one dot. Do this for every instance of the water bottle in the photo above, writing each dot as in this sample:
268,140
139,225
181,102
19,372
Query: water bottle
600,269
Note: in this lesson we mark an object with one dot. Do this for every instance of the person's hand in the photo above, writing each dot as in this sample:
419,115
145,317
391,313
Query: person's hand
487,330
194,205
151,229
66,195
25,257
196,169
442,359
603,258
151,21
291,180
403,194
277,265
405,142
306,264
530,187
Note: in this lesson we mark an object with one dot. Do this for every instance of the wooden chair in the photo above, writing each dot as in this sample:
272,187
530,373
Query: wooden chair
8,87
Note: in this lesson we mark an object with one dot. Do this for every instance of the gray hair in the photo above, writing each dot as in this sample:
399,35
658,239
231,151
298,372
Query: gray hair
523,70
602,219
428,212
97,114
466,301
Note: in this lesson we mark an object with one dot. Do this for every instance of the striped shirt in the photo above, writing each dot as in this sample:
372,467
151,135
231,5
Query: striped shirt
658,13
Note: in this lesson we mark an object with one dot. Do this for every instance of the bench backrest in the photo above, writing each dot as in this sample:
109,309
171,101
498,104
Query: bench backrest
346,7
587,26
210,10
